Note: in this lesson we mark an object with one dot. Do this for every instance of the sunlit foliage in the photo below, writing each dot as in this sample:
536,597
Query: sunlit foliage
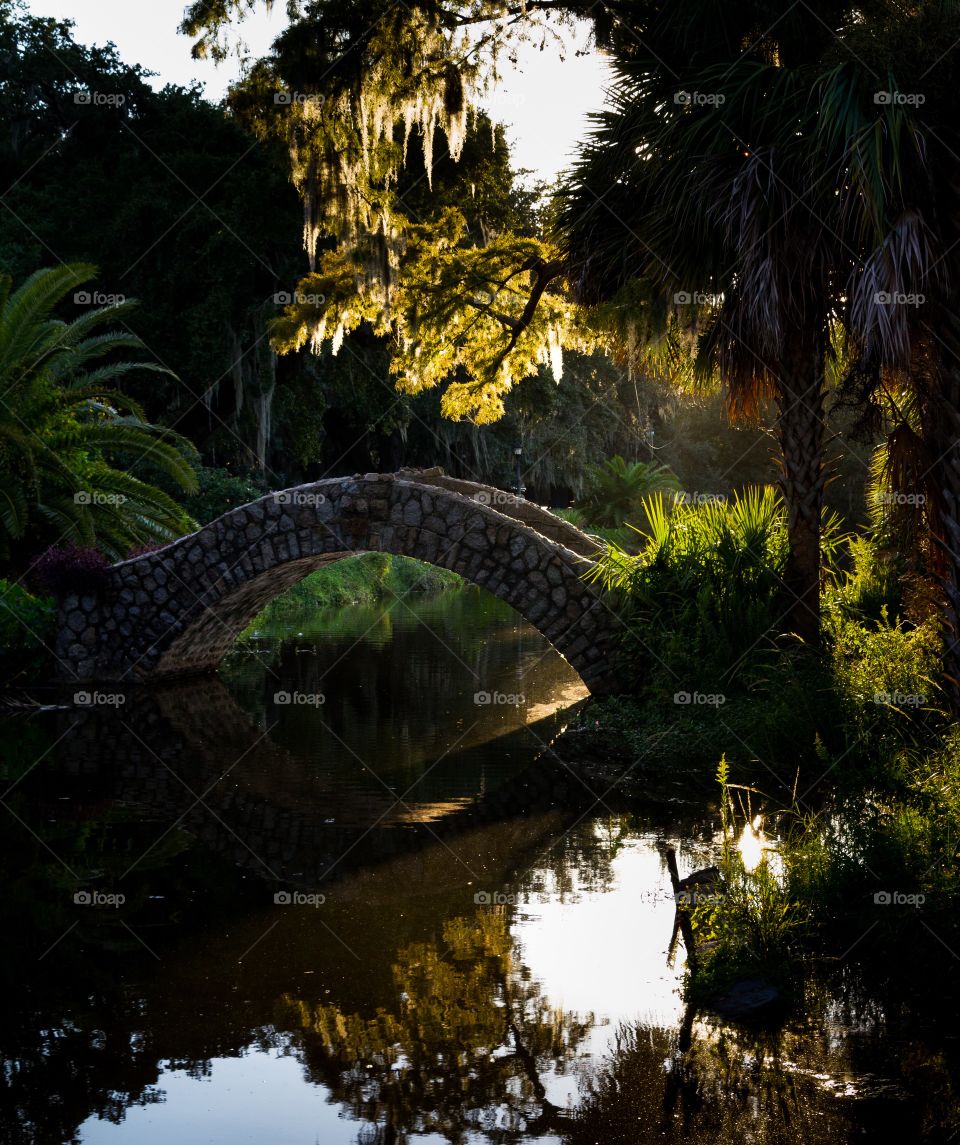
460,313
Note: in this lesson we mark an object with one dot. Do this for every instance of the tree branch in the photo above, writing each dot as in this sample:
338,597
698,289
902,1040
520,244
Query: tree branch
453,19
545,272
507,320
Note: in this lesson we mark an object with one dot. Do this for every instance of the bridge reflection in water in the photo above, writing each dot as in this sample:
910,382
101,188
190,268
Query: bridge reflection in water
189,755
488,961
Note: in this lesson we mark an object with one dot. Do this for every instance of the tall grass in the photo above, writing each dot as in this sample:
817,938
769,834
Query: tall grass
751,926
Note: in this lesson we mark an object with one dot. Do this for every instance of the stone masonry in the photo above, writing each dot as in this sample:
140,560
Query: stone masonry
179,610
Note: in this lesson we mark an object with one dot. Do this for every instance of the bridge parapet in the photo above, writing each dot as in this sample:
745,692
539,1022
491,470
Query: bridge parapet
542,520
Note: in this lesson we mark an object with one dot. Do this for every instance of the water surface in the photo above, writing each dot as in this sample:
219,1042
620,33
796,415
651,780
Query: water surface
364,901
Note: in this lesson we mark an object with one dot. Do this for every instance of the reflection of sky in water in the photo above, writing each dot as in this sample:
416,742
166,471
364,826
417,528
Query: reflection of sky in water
596,945
258,1099
591,926
255,1099
604,952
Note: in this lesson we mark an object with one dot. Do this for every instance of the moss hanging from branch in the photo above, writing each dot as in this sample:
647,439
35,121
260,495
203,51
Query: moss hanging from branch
345,90
477,319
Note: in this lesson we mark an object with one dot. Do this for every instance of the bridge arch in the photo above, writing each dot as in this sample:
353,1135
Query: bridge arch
178,610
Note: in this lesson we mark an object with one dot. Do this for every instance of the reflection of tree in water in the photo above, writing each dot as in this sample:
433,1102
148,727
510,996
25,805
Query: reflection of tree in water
466,1049
581,860
61,1067
76,1057
810,1083
401,694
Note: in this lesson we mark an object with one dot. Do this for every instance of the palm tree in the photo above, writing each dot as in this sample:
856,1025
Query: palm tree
71,445
685,218
616,490
899,202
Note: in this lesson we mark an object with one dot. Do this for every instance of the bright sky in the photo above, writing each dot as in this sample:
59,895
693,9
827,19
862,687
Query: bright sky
543,101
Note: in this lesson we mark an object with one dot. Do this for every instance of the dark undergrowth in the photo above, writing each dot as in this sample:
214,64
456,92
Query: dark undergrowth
841,761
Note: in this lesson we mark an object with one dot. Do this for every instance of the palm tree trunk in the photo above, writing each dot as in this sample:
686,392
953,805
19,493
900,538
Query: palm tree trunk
942,435
800,433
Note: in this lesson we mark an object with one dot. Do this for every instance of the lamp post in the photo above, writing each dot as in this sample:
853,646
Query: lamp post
518,453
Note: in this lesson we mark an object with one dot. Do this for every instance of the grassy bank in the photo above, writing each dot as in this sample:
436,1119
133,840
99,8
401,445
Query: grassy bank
364,579
858,832
865,872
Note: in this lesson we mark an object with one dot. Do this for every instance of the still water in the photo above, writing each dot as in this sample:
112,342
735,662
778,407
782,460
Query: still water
347,893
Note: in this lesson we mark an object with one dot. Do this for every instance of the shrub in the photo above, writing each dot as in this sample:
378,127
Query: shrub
64,569
219,491
869,584
617,488
892,665
704,588
72,438
26,627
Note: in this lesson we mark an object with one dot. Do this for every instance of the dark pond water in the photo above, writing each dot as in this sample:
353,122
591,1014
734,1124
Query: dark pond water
346,893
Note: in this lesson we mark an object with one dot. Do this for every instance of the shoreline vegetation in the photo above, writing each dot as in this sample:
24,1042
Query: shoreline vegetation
364,579
834,772
837,765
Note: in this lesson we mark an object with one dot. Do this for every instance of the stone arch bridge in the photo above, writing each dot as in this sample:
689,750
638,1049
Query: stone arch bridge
178,610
